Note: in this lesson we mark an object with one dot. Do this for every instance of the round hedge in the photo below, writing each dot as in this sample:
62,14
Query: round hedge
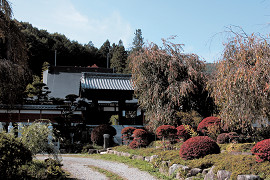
206,122
128,130
262,150
197,147
127,133
166,131
140,133
227,138
182,132
141,137
98,132
134,144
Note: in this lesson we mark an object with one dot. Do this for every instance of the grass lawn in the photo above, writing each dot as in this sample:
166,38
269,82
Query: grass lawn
237,164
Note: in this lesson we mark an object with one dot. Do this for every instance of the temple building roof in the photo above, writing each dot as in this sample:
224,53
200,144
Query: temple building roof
106,81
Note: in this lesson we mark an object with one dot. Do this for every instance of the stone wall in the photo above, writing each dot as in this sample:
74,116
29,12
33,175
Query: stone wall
183,172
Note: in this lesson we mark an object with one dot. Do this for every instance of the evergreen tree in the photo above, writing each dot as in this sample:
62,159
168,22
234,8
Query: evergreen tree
41,47
37,90
137,40
137,47
119,57
104,52
14,72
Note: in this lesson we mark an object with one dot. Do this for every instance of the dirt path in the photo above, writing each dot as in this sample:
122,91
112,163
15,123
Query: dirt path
78,167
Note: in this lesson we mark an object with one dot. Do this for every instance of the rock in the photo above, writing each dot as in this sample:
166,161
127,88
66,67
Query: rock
138,157
126,154
195,171
152,158
92,151
147,158
115,152
210,175
110,151
235,153
173,168
205,171
223,175
248,177
184,168
102,150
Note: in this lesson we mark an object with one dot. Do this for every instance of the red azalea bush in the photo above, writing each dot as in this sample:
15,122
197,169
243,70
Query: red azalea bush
127,134
182,132
98,132
140,133
166,132
133,144
209,121
262,150
141,137
197,147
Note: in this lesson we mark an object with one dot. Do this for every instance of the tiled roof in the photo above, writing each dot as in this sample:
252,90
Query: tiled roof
35,107
106,81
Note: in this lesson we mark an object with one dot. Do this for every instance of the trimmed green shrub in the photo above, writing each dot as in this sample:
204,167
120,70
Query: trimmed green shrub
37,169
35,138
13,154
98,132
197,147
54,169
262,150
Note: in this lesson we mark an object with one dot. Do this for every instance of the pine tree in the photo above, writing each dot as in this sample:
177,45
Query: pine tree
119,57
137,41
104,52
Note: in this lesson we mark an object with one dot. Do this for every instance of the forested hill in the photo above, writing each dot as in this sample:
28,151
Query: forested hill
41,47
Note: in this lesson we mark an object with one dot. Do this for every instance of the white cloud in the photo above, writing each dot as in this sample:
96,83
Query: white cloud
61,16
84,29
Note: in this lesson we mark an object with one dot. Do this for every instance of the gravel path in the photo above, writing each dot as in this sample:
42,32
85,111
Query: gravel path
77,166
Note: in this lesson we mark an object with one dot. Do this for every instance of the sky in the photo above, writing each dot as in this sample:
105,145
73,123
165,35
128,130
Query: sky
201,25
